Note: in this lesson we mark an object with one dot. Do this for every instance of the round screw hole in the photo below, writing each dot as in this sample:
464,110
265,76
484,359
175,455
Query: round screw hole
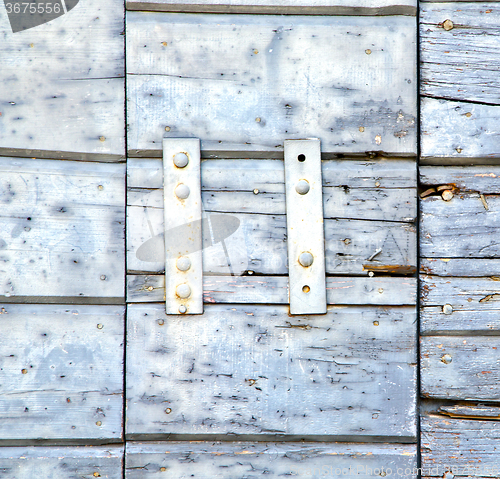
301,157
306,289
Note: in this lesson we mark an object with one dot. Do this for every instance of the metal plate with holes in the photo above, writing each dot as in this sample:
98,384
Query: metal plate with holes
183,237
305,231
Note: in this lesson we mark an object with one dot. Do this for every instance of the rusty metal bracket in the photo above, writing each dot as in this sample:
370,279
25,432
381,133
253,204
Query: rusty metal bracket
305,230
183,226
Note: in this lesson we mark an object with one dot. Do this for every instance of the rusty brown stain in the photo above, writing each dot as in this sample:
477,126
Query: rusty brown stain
397,269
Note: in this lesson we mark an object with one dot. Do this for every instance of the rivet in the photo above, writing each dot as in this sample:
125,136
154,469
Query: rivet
161,322
361,129
181,160
256,191
163,469
375,323
183,291
103,277
164,44
183,263
368,51
102,138
168,410
182,191
306,289
100,187
459,150
258,120
24,371
182,309
306,259
167,128
447,195
447,309
100,326
377,184
347,241
371,274
302,187
446,359
381,290
98,423
250,272
448,25
96,474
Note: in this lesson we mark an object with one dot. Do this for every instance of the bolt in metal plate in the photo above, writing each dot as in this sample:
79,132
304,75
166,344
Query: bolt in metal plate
305,230
183,236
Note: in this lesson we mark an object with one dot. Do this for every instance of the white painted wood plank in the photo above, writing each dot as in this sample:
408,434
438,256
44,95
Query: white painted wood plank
279,7
259,245
61,372
474,304
61,462
463,367
456,132
459,60
481,179
474,267
464,227
62,231
274,289
265,89
459,447
243,459
63,86
253,370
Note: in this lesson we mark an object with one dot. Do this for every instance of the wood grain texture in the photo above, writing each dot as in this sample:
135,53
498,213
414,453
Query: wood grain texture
474,302
264,85
62,231
63,86
459,447
279,7
61,462
243,459
377,190
473,268
460,63
464,367
61,370
259,245
460,228
479,179
253,370
455,132
471,411
274,289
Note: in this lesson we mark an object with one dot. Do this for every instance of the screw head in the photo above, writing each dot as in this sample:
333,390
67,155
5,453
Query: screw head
306,259
447,195
181,160
183,263
183,291
446,359
447,309
182,309
302,187
182,191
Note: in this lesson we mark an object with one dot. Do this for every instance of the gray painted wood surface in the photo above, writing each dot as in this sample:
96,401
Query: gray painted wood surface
464,227
471,411
61,462
254,371
274,289
265,89
479,179
62,232
63,85
463,367
221,460
455,132
296,7
457,447
460,63
475,304
61,371
474,267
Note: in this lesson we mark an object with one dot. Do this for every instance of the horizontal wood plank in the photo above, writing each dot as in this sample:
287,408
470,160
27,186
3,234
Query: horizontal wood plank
274,289
69,104
473,268
259,245
464,227
62,231
61,462
463,367
471,411
457,447
459,58
253,370
263,89
457,133
279,7
243,459
479,179
474,302
61,373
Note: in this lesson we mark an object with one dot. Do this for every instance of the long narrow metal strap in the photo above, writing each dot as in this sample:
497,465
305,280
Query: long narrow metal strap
183,226
305,230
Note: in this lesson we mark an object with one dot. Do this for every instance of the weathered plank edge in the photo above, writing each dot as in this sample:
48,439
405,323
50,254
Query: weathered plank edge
406,10
79,300
490,160
41,442
61,155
